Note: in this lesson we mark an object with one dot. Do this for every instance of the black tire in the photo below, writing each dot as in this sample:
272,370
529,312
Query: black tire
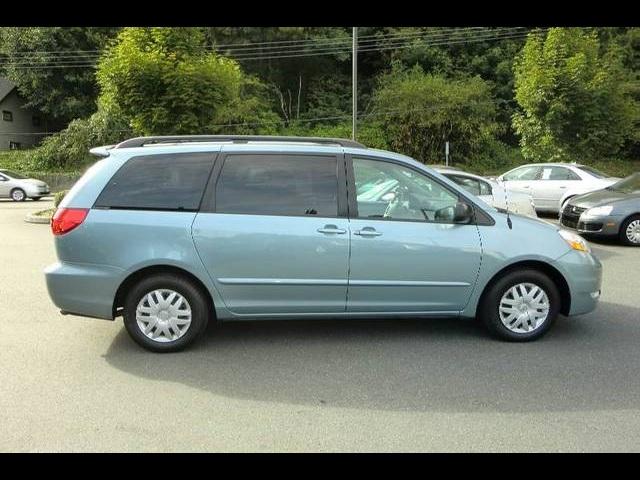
623,231
19,193
200,312
488,310
35,199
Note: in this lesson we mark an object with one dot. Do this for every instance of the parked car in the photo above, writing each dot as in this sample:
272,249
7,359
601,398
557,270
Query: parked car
552,184
172,232
19,188
492,192
612,211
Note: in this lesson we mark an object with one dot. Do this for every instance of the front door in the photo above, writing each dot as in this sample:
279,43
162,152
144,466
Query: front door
274,239
407,255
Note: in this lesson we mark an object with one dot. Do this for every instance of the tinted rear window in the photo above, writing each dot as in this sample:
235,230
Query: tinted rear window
278,185
159,182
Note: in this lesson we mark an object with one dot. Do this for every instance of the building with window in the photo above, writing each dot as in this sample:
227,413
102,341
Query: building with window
20,126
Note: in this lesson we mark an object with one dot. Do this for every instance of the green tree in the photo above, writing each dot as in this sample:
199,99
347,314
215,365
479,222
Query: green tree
419,112
573,96
49,67
166,81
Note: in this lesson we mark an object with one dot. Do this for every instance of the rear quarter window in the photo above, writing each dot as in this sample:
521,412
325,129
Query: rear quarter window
159,182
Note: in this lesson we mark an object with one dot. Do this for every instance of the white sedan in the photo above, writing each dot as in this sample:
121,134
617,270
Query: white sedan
491,192
552,184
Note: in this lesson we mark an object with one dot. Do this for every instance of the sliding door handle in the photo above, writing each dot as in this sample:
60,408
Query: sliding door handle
331,229
367,232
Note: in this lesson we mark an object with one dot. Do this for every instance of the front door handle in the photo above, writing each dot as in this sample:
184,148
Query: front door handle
331,229
367,232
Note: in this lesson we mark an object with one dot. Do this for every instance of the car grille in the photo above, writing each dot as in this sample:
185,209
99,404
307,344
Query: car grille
589,227
570,216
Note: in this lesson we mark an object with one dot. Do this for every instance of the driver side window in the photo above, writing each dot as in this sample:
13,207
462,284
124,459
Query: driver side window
385,190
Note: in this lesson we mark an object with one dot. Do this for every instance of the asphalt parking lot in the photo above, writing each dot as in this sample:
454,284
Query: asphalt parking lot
75,384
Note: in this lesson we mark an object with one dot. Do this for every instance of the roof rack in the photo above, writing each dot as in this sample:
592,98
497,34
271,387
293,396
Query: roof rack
142,141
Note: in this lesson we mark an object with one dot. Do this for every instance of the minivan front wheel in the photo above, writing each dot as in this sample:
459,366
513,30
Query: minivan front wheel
521,306
165,313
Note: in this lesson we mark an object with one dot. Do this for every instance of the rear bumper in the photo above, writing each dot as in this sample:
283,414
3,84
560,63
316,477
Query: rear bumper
83,289
583,273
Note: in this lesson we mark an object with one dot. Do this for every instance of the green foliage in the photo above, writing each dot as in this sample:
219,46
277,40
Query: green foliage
61,93
57,198
69,149
419,112
370,133
165,82
574,104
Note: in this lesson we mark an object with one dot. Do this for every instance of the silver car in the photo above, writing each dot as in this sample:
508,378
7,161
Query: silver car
19,188
552,184
614,210
492,192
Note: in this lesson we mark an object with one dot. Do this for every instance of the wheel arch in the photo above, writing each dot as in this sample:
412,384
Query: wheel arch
17,188
132,278
553,273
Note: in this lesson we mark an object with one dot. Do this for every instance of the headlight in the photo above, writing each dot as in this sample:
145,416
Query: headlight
574,240
599,211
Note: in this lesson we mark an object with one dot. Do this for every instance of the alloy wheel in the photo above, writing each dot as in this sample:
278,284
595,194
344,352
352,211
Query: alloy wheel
524,308
163,315
633,232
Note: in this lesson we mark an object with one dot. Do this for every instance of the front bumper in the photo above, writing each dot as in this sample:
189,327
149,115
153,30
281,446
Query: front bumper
585,224
37,192
83,289
583,273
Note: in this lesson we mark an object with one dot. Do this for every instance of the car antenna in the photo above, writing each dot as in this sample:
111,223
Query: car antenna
506,202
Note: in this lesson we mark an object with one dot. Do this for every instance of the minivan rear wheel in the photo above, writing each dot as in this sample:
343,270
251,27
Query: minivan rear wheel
520,306
165,312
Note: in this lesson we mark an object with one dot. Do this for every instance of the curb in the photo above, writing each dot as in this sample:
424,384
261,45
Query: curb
31,218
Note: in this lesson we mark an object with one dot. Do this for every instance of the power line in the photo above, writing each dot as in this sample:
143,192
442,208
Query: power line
282,42
481,37
423,36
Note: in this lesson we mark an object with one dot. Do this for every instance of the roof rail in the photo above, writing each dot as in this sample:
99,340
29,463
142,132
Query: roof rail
142,141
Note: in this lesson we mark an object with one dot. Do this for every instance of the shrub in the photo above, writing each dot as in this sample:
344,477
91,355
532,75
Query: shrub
419,112
69,149
57,198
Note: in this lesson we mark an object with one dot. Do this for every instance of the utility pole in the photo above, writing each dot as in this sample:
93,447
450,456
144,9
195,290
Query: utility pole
354,79
446,154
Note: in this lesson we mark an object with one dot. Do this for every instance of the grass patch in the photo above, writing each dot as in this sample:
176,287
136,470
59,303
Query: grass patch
48,213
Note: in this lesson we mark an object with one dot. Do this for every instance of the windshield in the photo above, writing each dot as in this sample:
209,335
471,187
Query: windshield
593,172
631,184
11,174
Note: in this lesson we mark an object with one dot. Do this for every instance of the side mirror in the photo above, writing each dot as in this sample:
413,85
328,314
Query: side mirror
462,213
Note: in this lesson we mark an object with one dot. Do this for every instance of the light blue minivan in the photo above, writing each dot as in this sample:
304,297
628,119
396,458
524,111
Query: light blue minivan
174,232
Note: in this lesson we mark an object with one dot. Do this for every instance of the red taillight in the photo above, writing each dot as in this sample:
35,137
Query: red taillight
66,219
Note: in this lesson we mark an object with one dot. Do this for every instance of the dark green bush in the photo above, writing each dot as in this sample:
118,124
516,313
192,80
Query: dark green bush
57,198
69,149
